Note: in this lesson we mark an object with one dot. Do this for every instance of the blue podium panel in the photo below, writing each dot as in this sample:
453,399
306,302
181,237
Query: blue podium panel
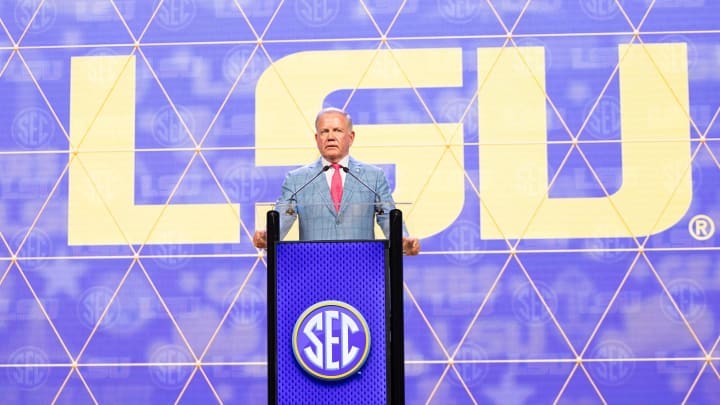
321,361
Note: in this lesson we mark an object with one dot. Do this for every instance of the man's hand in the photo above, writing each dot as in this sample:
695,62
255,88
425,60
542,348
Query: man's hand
411,246
260,239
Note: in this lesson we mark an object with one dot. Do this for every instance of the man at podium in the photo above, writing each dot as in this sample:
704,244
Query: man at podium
336,197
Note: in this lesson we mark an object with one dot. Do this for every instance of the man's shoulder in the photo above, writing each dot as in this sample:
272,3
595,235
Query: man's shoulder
360,166
309,168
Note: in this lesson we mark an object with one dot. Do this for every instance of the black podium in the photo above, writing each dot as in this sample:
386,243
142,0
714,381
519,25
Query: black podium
335,319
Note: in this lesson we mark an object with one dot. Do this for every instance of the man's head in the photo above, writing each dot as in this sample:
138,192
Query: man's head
334,134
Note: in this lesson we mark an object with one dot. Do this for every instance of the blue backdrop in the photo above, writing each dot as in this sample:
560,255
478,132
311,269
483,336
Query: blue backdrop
127,272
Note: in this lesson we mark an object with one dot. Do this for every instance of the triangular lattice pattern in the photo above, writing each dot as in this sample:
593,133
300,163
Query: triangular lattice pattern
494,312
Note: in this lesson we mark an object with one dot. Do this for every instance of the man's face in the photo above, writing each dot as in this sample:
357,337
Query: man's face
333,137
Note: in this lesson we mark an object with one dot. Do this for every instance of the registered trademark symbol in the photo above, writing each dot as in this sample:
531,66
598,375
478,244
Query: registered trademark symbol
701,227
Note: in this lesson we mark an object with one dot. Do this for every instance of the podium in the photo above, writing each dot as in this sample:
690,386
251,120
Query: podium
335,319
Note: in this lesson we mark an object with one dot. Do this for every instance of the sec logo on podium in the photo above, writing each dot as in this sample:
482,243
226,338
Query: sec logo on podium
331,340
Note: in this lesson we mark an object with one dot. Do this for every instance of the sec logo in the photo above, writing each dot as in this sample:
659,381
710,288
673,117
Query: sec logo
331,340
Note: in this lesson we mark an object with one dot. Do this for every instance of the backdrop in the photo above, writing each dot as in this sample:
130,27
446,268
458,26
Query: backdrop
559,159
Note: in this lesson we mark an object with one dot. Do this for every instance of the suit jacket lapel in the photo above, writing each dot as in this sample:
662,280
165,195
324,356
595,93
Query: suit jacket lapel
322,188
350,185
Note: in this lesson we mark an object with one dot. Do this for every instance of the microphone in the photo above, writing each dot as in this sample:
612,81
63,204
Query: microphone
378,199
291,210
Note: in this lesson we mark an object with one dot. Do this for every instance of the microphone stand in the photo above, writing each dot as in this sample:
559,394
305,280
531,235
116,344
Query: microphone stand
291,200
378,200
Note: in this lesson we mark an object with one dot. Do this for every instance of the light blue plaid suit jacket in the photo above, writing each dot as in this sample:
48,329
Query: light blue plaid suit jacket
314,208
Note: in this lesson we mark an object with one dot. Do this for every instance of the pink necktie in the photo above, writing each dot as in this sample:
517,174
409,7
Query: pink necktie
336,187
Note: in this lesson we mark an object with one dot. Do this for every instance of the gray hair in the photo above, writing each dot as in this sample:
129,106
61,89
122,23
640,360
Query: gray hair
334,110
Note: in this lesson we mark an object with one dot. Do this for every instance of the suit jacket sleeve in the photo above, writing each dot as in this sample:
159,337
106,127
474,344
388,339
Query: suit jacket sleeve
387,204
285,207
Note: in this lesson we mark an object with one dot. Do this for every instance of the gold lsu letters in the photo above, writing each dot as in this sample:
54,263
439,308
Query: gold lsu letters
512,132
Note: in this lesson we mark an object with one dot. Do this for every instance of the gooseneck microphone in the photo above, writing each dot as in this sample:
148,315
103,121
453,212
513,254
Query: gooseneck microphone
291,200
378,199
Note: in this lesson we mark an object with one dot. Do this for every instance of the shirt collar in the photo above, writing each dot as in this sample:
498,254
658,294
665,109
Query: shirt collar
343,162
